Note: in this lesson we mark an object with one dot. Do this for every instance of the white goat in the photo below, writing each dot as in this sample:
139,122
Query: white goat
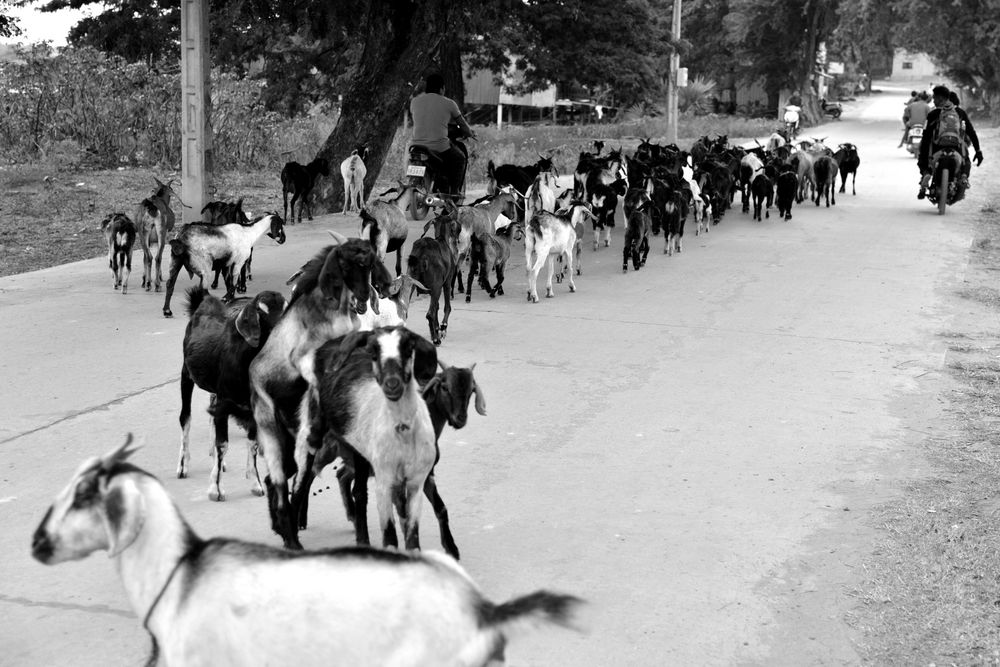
549,235
354,171
392,309
229,603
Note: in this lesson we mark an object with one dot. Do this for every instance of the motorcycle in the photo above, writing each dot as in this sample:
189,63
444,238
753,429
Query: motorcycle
946,167
423,170
916,132
832,109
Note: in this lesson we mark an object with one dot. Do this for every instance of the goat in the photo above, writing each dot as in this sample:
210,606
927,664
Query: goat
219,344
604,202
221,213
604,171
197,604
119,231
825,168
491,253
200,248
848,161
299,181
787,187
433,262
750,166
447,396
762,192
637,228
804,169
367,400
353,171
383,223
154,222
519,178
551,234
393,308
327,293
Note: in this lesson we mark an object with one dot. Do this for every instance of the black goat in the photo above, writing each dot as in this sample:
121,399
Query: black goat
787,186
299,181
637,228
848,161
762,192
119,232
825,169
433,263
219,344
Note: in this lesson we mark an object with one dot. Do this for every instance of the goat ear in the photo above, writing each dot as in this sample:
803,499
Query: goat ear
425,359
124,513
331,278
349,343
480,399
381,278
248,324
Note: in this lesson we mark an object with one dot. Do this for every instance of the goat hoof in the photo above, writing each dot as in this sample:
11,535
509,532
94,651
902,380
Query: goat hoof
468,298
572,288
607,243
257,491
167,312
436,341
216,495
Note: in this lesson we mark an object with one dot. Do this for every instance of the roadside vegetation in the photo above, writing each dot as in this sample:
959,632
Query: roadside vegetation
931,594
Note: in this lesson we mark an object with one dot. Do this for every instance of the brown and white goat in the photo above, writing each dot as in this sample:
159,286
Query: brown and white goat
119,231
227,602
353,171
221,213
433,262
154,222
490,253
549,235
200,247
327,293
219,344
383,223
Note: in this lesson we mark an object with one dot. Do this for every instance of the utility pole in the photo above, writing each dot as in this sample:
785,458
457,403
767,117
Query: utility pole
675,63
196,133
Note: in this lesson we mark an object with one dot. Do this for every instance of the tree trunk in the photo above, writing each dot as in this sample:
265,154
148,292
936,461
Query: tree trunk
400,43
811,110
451,70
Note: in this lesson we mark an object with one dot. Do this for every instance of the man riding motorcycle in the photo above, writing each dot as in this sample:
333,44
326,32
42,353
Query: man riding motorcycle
915,114
929,143
432,112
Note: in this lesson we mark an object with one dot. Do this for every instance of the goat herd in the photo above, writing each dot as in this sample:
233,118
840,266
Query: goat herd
330,374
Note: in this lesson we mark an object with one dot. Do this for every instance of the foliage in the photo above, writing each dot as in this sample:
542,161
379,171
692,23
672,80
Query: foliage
864,34
696,97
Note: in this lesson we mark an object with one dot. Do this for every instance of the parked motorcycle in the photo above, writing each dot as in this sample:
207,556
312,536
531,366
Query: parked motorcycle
831,109
946,166
423,172
916,132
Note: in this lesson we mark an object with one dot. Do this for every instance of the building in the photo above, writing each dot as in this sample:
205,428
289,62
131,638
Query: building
915,67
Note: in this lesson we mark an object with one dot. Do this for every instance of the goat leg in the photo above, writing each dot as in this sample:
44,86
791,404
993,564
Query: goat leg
441,512
221,420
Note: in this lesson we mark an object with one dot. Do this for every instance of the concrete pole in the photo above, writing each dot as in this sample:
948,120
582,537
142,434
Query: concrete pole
675,62
499,116
196,132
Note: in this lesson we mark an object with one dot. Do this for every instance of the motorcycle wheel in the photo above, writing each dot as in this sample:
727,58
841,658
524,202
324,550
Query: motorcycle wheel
836,113
943,192
418,205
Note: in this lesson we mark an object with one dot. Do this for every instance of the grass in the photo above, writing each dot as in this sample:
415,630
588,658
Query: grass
931,589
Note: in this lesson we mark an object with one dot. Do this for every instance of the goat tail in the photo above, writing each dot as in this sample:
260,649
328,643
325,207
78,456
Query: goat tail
195,295
531,610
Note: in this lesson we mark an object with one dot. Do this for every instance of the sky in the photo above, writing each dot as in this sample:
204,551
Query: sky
37,27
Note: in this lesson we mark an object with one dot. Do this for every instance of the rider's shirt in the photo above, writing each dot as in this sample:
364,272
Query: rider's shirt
431,115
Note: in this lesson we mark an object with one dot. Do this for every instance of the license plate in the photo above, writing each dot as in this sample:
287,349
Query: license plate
416,170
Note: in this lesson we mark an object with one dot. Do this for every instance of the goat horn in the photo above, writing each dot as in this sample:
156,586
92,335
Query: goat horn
480,399
416,283
120,453
434,381
337,236
443,365
294,277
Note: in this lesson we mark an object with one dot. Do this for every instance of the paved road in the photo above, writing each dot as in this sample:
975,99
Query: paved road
692,448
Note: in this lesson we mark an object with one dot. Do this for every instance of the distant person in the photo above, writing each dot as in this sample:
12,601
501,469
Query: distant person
914,114
432,113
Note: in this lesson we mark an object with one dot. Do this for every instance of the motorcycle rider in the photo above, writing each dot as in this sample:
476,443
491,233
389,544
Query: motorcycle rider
915,114
432,112
927,146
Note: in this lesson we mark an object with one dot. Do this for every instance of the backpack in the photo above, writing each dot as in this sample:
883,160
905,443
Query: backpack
949,129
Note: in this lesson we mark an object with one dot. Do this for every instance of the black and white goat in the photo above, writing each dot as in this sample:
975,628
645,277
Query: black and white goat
367,399
353,171
328,294
393,308
447,396
848,163
119,231
200,248
219,344
225,601
299,181
226,212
